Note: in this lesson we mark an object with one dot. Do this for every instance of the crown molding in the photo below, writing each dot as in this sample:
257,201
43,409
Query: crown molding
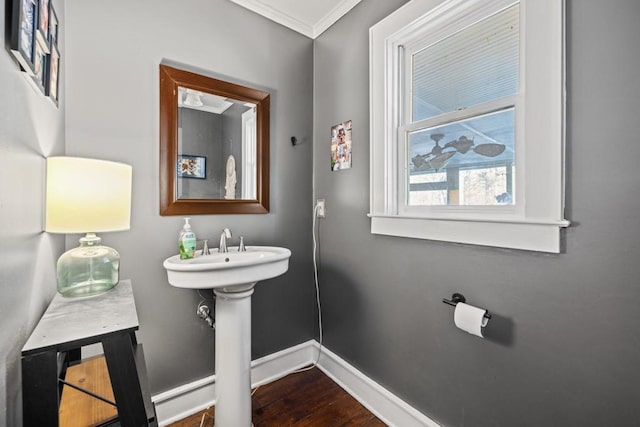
311,30
276,15
333,16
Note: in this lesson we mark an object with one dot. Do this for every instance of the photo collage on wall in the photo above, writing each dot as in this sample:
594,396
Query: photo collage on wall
341,146
34,43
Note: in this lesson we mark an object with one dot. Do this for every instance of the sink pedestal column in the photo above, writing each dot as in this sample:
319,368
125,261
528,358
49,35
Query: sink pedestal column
233,357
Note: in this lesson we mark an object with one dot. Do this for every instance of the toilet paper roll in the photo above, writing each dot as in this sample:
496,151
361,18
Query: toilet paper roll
470,319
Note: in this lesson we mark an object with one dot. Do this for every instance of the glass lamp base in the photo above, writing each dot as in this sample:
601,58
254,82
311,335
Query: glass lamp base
89,269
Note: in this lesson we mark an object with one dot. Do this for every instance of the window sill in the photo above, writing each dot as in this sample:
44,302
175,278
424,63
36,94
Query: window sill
542,236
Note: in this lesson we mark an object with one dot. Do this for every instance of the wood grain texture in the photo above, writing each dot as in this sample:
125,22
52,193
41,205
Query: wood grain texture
80,409
305,399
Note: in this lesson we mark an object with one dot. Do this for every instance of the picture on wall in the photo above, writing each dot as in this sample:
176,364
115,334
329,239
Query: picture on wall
39,67
34,44
23,33
53,27
341,146
192,167
52,78
42,32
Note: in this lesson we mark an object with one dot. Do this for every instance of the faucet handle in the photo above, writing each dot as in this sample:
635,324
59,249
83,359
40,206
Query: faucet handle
205,248
241,247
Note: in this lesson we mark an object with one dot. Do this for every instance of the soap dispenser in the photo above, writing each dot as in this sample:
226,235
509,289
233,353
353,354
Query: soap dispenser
187,241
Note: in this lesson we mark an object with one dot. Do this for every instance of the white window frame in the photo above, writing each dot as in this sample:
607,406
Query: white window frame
249,166
535,220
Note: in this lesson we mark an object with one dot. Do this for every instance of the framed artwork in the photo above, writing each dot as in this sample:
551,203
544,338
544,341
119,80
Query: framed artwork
192,167
40,67
23,33
42,29
51,89
34,44
53,27
341,146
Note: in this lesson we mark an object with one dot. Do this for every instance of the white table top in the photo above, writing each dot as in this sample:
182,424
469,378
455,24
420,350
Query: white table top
84,320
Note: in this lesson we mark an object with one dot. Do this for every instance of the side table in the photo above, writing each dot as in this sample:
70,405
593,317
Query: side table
67,325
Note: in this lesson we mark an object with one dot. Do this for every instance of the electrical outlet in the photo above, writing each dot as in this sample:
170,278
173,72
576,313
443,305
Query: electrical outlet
320,212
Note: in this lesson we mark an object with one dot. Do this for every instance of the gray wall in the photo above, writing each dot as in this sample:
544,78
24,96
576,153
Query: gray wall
31,128
215,136
563,349
232,144
112,92
201,135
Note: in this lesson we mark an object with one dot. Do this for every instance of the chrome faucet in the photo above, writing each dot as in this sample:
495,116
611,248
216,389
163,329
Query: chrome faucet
226,234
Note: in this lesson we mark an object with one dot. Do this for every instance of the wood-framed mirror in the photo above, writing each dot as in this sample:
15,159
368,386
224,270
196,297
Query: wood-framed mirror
214,146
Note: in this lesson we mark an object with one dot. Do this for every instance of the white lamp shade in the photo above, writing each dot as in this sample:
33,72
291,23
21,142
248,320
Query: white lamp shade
87,195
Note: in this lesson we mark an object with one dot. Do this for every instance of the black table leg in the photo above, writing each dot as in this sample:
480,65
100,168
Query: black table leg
40,397
120,356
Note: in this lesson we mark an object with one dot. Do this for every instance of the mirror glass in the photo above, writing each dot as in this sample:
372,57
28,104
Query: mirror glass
214,138
216,147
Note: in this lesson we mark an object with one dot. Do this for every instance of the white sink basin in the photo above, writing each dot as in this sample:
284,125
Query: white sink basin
229,269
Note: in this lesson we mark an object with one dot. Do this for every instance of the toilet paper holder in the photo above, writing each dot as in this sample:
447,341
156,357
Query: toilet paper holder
456,298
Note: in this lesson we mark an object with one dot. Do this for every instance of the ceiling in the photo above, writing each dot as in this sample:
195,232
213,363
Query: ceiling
308,17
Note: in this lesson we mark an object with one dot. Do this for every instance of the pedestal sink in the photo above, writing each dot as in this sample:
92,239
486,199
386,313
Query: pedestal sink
232,276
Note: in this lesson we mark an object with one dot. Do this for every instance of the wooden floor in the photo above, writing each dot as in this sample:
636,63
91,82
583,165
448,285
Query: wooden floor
305,399
79,409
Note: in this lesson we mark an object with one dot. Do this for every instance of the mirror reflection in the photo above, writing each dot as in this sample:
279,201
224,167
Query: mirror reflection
216,147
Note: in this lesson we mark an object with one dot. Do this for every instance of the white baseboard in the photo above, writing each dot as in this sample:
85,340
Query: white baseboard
188,399
392,410
185,400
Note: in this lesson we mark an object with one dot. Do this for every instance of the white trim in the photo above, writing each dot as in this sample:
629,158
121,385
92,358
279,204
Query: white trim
188,399
534,236
475,111
333,16
277,365
392,410
311,30
249,167
534,222
185,400
561,223
277,16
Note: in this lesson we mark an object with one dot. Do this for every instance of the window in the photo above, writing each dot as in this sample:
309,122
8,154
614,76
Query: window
249,155
467,122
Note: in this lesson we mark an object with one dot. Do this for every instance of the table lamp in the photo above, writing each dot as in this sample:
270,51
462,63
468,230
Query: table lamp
87,196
